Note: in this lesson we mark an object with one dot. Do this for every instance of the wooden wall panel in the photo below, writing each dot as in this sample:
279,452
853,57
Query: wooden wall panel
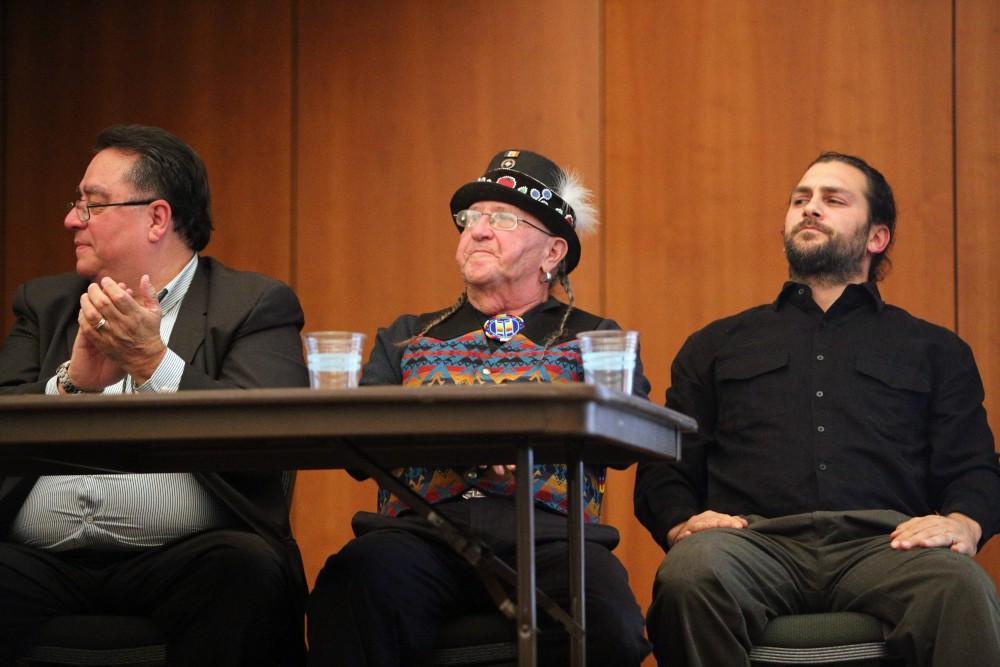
335,133
216,74
977,122
3,170
713,111
400,103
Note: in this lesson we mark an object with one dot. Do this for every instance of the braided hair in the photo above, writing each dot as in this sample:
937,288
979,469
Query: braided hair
552,338
556,335
445,314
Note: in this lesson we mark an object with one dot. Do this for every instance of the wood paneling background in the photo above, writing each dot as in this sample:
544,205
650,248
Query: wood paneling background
707,134
3,169
335,134
977,150
216,74
385,137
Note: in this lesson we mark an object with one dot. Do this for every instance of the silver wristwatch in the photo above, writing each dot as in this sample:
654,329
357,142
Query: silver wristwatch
62,377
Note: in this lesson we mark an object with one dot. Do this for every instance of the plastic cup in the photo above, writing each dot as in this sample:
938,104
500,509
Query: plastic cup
334,358
609,357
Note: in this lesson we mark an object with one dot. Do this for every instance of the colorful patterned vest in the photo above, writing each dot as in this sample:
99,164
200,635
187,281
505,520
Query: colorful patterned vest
470,358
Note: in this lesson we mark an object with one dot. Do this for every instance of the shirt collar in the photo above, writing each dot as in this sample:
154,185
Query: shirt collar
549,304
173,292
539,321
855,293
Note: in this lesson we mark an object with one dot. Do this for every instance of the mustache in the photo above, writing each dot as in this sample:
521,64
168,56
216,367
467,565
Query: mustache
812,224
479,248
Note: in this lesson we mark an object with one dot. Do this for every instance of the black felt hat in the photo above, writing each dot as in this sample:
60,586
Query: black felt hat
539,186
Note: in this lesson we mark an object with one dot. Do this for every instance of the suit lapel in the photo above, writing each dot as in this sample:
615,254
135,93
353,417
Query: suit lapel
71,331
72,323
188,334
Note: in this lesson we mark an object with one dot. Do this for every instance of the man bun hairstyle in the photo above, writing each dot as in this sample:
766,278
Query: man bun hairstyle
881,206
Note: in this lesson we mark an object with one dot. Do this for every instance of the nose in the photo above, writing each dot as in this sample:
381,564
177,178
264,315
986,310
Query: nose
72,220
480,229
812,208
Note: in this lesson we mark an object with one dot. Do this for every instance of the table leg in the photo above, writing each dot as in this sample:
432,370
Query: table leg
527,627
578,603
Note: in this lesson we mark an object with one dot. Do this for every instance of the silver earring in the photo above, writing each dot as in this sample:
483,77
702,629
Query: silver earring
546,279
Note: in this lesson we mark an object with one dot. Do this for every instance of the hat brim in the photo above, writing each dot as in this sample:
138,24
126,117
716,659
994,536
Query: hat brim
478,191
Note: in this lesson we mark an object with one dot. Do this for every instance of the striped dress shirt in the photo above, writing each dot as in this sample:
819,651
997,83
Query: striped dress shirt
123,512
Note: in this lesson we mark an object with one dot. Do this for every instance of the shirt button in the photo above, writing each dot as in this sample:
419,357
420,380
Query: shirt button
801,291
486,371
819,394
819,357
822,466
820,429
89,519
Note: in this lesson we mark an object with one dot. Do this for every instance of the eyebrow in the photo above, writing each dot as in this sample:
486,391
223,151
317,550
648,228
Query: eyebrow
825,189
505,208
92,190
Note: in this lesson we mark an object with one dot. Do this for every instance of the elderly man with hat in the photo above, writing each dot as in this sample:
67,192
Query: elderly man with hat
383,598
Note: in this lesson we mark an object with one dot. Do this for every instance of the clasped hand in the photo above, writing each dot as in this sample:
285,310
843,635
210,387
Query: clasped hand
501,470
119,335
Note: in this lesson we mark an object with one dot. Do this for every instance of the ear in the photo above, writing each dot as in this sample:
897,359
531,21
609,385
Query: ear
878,239
555,253
161,220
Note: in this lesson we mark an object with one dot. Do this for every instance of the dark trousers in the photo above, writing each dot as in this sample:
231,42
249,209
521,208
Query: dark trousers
383,598
221,597
716,590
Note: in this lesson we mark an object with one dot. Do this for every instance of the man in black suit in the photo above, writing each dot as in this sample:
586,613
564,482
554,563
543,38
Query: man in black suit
208,556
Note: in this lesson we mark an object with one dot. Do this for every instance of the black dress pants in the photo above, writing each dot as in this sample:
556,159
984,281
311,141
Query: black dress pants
222,597
716,590
383,598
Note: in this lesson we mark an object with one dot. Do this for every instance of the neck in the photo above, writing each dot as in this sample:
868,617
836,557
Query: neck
164,269
169,273
493,301
828,286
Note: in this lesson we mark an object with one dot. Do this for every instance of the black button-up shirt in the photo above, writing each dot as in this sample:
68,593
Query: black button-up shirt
861,407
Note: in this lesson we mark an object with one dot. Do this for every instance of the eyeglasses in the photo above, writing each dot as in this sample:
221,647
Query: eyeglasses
83,208
466,218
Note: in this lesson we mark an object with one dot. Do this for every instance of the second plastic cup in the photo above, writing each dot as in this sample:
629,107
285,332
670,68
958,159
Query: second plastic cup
609,357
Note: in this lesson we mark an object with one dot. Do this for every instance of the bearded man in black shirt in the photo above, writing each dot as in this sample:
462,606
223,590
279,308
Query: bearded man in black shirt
843,461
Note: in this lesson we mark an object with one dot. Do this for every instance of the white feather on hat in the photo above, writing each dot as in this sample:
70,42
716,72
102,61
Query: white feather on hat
570,187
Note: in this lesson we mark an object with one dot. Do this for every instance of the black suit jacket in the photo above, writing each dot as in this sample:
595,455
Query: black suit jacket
234,330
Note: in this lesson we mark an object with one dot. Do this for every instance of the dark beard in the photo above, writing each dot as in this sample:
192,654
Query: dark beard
836,262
